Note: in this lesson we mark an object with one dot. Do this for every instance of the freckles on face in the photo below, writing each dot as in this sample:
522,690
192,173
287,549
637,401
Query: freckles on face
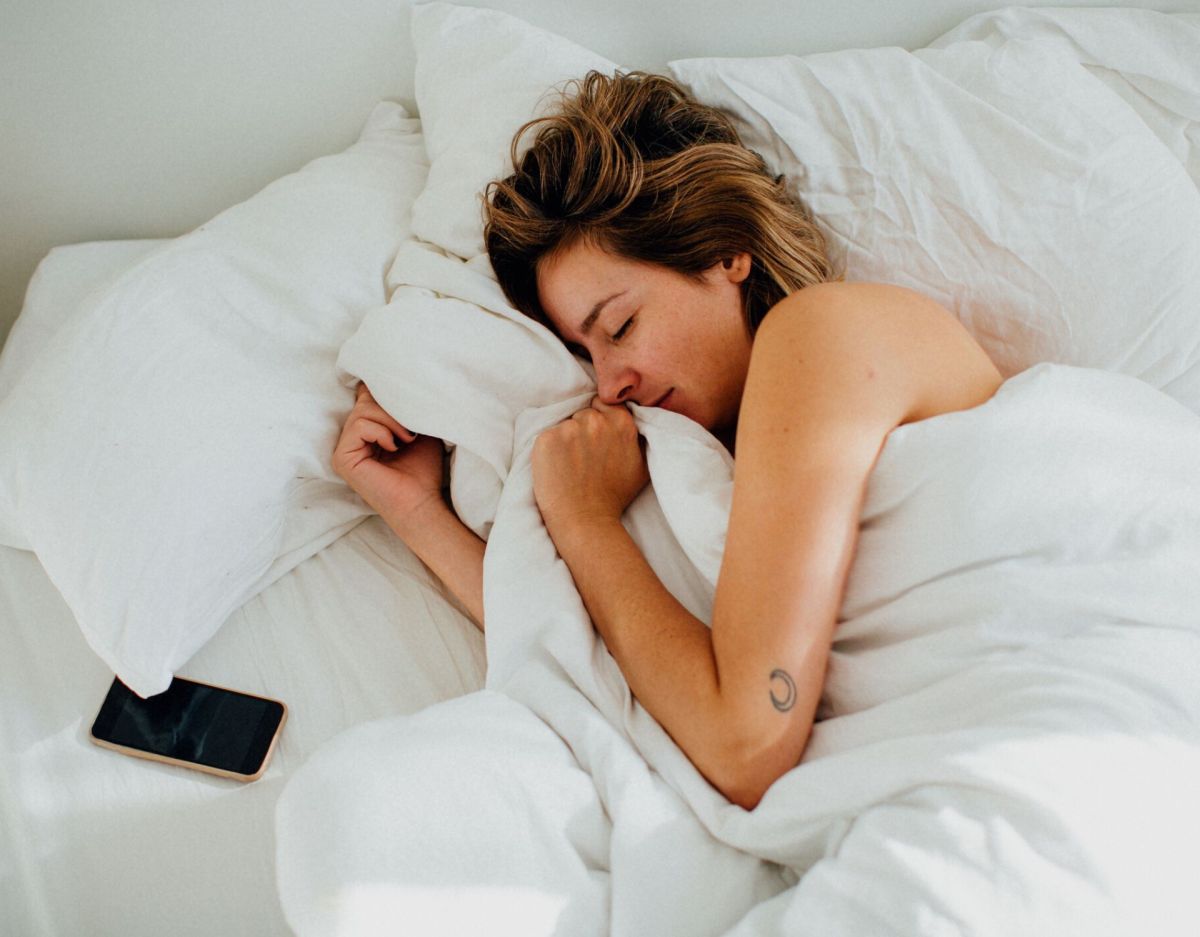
649,330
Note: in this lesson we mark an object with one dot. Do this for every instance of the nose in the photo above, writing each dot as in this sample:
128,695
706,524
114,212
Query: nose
616,385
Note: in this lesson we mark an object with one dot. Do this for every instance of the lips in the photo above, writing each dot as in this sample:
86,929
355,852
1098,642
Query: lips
662,400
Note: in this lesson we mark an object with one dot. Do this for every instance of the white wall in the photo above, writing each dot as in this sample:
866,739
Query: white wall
143,118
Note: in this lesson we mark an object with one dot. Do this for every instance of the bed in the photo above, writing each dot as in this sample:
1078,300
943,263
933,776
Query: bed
430,781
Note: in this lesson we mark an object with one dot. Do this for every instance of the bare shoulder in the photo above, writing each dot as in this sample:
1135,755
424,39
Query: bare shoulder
896,345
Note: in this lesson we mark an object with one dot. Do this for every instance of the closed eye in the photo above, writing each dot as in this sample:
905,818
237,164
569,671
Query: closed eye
583,353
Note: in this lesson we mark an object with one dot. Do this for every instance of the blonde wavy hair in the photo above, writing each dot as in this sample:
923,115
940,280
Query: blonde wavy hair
632,164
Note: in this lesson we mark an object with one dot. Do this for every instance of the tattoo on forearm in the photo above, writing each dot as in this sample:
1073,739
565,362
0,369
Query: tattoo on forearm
789,691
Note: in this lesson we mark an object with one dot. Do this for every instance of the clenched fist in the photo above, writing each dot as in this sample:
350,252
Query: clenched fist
588,467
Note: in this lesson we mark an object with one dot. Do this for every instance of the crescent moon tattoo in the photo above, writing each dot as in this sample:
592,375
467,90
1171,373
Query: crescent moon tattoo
789,699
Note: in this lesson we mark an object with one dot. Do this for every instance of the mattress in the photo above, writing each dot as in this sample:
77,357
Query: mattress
94,842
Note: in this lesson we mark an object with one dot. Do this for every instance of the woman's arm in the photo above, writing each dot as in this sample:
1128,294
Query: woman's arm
740,699
448,547
834,369
399,474
664,652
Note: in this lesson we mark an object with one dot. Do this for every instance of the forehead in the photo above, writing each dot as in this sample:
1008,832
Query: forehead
572,281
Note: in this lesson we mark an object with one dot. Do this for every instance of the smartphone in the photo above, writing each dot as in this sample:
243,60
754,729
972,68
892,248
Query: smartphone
194,725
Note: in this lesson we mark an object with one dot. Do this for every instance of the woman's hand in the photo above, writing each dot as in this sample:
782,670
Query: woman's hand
589,467
390,467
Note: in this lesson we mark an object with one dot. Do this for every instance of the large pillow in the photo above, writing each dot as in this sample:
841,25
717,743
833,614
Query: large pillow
1001,178
167,456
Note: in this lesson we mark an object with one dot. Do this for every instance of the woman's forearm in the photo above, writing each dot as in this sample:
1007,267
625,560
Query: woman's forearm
665,652
448,547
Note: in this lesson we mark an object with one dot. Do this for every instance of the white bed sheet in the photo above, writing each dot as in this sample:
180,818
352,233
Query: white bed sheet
94,842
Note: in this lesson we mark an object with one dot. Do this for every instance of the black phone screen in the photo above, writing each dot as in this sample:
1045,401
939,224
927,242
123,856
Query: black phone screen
192,722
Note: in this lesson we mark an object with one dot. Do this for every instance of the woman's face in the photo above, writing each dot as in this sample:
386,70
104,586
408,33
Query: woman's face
655,337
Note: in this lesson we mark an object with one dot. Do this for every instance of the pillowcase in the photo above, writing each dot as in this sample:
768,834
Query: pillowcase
480,74
1145,57
1002,179
167,455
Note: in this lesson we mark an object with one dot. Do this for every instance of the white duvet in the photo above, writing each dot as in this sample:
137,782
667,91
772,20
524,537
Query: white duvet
1009,736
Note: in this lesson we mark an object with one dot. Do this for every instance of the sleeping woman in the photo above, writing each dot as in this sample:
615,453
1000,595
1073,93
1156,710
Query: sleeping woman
656,246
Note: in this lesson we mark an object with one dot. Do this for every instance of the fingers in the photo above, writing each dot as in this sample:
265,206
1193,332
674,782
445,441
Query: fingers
598,408
366,406
370,431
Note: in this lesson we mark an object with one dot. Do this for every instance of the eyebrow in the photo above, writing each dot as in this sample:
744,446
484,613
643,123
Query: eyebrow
596,309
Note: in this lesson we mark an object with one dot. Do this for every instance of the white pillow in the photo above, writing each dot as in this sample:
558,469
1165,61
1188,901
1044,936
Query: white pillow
480,75
1002,179
167,456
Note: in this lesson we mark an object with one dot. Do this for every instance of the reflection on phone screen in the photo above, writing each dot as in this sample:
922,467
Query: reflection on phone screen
192,722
